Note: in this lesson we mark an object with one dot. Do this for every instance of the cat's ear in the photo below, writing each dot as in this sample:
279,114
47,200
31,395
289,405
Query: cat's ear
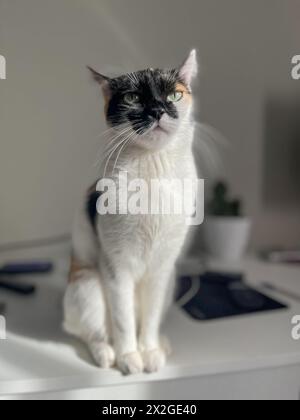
102,80
189,68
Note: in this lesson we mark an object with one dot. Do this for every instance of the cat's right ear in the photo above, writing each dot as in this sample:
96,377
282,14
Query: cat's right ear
189,68
102,80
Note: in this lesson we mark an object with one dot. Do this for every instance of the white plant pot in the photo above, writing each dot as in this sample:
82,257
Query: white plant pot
227,238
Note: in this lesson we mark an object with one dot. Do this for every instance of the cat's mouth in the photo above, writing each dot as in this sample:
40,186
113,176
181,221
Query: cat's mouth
157,128
153,127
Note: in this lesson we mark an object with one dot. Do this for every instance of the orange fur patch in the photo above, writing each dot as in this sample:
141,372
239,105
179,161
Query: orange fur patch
186,92
75,268
182,88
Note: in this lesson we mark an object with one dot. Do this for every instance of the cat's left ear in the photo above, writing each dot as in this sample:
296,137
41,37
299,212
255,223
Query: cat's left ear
189,68
102,80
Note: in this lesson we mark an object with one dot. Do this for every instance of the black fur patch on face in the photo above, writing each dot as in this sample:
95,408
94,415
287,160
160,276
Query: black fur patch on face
152,88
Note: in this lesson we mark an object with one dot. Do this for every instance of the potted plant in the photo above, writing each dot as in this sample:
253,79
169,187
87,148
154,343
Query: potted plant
226,230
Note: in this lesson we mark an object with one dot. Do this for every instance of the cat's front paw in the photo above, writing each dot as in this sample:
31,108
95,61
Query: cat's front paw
131,363
103,354
154,360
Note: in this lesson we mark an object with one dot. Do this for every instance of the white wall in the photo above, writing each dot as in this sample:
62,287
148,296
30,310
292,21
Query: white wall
51,113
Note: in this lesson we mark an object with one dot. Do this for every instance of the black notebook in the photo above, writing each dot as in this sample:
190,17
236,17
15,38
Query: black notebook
215,295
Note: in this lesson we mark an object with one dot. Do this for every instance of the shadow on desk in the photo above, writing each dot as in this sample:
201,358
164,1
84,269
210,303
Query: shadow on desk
37,318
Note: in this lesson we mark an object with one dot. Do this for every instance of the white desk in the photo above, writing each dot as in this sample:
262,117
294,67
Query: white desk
244,357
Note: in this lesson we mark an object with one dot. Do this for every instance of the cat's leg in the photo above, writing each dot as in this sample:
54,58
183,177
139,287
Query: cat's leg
85,308
157,292
85,315
120,288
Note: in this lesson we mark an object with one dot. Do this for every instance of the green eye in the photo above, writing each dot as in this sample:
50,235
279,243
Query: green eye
175,96
131,98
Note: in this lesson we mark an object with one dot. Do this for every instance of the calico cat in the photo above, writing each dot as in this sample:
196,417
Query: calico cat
122,270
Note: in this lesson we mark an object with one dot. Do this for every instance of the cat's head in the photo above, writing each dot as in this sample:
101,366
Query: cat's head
149,105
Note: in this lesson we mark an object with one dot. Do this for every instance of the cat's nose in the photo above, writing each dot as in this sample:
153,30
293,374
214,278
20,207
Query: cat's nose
157,113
